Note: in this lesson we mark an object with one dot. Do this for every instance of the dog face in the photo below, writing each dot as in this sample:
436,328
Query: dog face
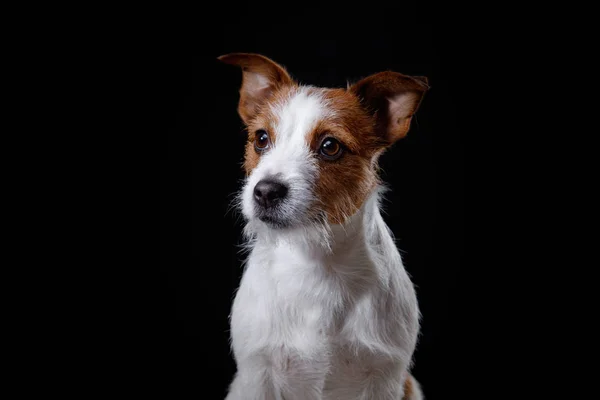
311,152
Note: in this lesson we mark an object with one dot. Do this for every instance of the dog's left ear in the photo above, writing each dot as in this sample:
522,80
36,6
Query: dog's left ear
393,98
261,77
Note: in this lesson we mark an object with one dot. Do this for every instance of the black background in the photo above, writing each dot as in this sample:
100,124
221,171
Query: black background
201,170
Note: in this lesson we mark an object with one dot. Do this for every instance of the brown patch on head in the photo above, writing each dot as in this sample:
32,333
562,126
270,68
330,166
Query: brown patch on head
265,119
264,82
367,117
344,184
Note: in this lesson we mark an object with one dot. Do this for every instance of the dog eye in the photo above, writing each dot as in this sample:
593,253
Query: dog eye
261,140
330,149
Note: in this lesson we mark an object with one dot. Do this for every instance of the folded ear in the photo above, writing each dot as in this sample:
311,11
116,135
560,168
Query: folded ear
393,99
261,76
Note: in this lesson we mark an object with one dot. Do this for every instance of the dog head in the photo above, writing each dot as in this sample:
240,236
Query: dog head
311,153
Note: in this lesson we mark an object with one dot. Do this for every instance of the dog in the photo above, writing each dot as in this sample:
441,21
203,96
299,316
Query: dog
325,308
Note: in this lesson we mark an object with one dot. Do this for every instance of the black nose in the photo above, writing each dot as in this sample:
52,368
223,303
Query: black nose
267,193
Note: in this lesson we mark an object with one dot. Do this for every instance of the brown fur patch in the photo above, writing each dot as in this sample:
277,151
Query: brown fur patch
267,120
348,122
408,388
345,183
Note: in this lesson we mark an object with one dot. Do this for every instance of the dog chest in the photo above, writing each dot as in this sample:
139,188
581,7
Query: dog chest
282,301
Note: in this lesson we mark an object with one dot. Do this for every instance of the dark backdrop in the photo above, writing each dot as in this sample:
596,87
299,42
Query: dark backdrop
201,169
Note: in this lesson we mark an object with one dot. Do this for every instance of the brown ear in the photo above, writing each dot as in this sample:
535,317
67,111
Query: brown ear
393,99
261,76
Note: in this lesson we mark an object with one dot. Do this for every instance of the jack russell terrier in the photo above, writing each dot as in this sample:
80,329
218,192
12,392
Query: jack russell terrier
325,308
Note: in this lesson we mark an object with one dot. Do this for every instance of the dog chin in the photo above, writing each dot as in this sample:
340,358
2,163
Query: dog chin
274,222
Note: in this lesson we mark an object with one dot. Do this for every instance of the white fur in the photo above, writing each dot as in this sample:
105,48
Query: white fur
290,159
322,312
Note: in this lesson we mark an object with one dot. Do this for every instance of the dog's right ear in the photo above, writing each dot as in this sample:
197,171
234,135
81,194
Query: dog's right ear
261,76
393,99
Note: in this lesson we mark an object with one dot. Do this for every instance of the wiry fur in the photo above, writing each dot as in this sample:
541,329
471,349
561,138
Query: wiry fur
325,308
324,322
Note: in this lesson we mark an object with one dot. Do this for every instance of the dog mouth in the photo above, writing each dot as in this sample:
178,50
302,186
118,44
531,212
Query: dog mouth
276,218
274,221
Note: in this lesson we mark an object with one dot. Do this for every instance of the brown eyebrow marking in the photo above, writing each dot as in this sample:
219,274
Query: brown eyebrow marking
325,128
